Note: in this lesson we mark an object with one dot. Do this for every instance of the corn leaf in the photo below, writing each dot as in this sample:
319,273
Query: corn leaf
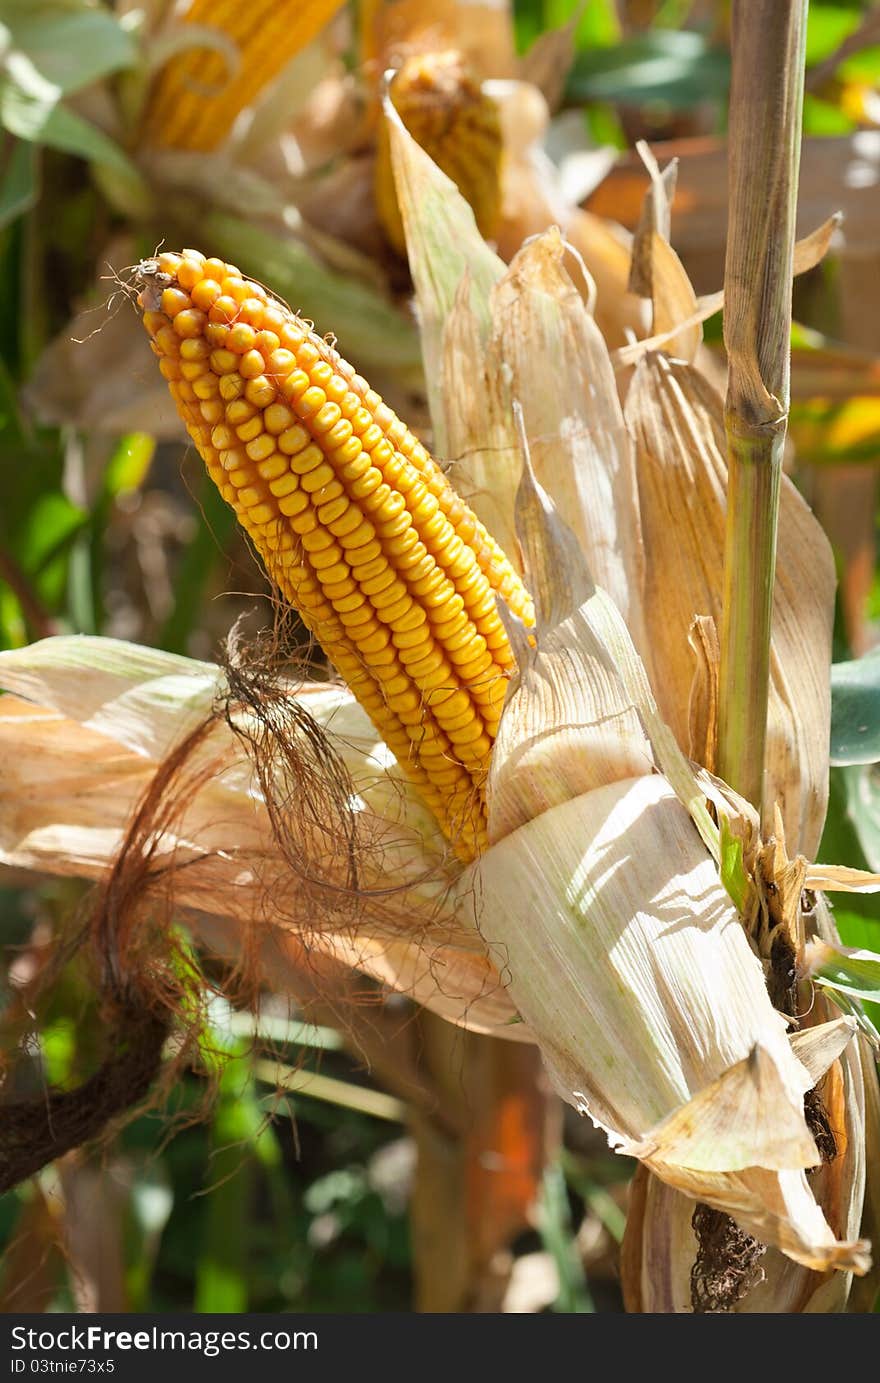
855,711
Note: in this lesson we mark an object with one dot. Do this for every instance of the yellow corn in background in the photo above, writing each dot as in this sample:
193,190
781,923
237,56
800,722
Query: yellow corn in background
447,112
356,525
197,94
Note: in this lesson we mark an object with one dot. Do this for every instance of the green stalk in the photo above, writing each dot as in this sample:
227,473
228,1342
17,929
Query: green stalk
766,104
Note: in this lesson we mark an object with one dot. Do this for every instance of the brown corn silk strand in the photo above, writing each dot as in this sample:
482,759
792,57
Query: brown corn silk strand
356,525
197,96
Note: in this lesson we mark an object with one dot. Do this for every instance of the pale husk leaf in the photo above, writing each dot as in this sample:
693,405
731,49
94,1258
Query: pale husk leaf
75,766
629,963
677,419
580,448
657,273
443,244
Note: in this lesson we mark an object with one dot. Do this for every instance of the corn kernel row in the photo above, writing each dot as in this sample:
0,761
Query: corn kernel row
196,97
356,525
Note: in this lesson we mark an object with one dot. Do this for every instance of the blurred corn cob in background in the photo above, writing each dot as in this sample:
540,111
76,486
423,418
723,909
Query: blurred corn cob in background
200,92
458,124
356,525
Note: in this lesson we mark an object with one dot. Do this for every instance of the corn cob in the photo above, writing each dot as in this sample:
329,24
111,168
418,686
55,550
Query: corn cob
196,98
356,525
447,112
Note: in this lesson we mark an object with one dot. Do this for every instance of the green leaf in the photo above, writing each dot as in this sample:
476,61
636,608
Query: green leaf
554,1223
19,187
857,975
733,874
855,711
129,464
827,27
680,68
34,114
71,45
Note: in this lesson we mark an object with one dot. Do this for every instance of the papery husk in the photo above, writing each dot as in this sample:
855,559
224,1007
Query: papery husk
533,200
628,961
677,420
657,273
660,1245
80,754
540,330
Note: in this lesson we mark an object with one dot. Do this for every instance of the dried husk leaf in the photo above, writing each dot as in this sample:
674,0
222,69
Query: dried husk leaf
677,420
657,272
580,448
533,199
443,244
539,328
660,1243
569,724
653,994
79,757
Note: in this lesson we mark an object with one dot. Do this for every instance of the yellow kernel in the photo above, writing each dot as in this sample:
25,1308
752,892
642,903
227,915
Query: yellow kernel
222,438
330,511
217,269
361,557
314,479
167,340
327,559
222,362
371,568
189,273
273,467
190,322
251,429
174,301
211,410
223,310
231,386
292,504
262,513
267,342
241,338
307,459
310,401
251,364
193,369
260,448
280,362
240,411
285,484
326,417
207,387
194,348
348,521
277,417
295,384
305,522
251,311
357,537
260,392
235,287
169,263
293,439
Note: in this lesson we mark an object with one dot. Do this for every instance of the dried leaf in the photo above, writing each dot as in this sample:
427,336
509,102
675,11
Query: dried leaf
677,420
77,764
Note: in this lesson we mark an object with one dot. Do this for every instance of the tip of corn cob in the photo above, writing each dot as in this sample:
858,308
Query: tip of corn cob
356,525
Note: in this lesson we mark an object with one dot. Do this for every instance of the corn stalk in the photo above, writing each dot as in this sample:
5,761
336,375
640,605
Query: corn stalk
765,128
